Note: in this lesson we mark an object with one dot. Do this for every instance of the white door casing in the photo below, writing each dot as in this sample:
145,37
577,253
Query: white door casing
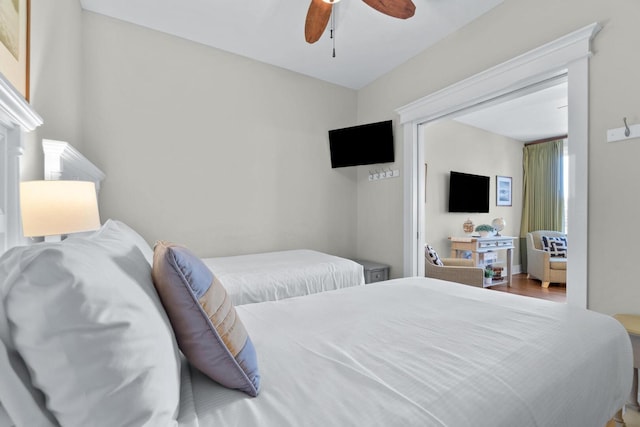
566,55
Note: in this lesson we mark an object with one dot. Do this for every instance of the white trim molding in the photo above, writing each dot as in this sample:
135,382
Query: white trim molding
63,162
16,117
568,55
547,61
15,110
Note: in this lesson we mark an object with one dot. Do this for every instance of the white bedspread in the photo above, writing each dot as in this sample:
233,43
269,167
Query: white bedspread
273,276
4,418
422,352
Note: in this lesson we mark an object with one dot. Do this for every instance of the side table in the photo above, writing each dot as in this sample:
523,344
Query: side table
373,271
631,323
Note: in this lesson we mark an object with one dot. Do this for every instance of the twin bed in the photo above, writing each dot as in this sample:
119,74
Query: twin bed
273,276
406,352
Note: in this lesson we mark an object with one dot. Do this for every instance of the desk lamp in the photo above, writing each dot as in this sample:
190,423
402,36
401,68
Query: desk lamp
54,208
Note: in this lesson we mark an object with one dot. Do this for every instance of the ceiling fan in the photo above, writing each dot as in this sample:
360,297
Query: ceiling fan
320,11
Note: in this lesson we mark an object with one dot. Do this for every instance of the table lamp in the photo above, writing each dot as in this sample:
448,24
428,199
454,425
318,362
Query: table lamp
54,208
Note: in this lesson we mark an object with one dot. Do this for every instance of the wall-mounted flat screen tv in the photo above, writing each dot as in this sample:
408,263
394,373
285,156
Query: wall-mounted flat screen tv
362,145
468,193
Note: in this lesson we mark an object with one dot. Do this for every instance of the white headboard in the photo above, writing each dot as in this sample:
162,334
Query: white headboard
16,118
63,161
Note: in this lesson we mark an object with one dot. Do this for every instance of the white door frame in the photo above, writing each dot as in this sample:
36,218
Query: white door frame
567,55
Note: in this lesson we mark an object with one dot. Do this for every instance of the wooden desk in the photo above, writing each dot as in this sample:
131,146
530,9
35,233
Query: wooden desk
480,246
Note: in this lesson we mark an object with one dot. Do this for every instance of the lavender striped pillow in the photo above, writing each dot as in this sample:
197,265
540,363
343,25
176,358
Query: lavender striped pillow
206,325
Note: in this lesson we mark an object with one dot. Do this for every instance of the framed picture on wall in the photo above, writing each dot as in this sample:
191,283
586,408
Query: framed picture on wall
14,43
503,190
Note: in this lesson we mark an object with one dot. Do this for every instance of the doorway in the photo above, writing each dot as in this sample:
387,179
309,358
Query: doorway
489,144
567,55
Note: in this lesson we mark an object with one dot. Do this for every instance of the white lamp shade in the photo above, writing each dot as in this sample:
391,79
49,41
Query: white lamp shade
58,207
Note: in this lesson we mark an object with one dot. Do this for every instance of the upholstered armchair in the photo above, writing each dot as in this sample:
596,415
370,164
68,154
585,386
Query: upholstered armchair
457,270
545,265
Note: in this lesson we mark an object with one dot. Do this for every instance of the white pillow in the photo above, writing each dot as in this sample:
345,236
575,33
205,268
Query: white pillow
5,421
134,238
24,403
87,321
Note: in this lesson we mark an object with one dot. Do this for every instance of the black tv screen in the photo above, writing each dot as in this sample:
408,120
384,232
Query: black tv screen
362,145
468,193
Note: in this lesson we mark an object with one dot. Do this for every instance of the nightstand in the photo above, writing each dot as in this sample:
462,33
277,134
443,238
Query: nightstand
374,271
631,323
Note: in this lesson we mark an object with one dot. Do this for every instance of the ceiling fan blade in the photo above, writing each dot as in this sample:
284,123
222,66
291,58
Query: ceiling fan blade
402,9
317,19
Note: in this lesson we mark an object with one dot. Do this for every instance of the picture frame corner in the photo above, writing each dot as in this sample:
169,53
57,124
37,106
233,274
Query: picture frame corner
504,190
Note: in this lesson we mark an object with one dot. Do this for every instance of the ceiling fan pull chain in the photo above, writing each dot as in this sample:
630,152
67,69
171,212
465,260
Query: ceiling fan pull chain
333,27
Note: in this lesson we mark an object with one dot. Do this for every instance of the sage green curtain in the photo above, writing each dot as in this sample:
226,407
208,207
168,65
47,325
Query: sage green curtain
543,190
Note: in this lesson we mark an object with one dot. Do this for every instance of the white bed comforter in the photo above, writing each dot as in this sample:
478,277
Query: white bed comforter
273,276
422,352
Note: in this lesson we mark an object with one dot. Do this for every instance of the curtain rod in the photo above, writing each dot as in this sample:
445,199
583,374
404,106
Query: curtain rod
553,138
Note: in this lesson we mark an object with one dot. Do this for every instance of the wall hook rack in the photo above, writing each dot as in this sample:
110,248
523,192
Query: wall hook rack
376,175
627,131
623,133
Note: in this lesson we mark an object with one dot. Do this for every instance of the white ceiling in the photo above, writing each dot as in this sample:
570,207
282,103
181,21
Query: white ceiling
538,115
368,43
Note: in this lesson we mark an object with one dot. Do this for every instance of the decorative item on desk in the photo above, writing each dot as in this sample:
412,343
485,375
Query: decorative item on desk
498,224
467,226
488,275
54,208
489,258
484,230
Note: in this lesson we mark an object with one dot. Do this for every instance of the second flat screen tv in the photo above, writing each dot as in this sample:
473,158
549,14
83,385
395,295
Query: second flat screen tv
362,145
468,193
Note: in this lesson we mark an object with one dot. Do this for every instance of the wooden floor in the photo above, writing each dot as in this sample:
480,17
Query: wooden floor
522,286
632,418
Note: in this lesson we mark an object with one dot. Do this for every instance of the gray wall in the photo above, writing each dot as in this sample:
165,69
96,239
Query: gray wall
56,78
222,153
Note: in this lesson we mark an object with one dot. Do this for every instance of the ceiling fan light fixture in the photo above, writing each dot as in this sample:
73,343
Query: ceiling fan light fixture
320,11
